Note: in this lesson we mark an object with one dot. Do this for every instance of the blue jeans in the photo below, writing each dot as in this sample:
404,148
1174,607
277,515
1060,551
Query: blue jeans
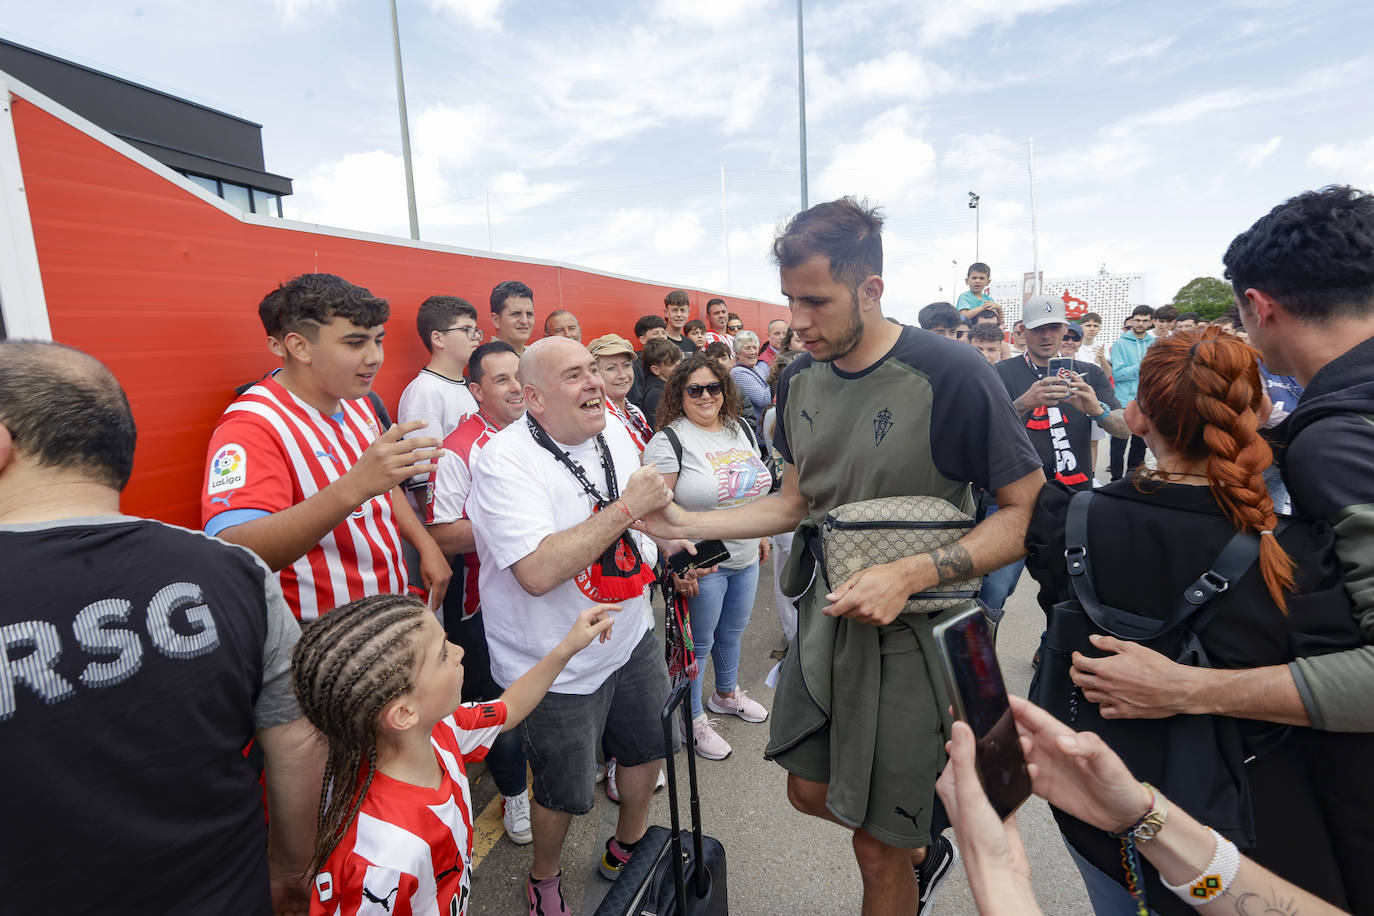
1000,583
720,612
1107,896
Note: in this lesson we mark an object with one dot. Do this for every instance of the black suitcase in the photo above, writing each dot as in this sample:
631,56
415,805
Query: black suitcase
673,872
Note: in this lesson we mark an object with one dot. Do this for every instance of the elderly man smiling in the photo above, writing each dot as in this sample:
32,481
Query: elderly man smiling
553,498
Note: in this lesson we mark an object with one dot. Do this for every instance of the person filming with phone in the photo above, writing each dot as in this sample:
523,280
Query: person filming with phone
708,455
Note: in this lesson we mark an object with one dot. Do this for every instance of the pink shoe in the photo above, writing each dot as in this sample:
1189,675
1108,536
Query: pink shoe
546,897
737,705
709,744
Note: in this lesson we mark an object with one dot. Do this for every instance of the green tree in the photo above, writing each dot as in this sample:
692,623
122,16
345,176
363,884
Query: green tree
1208,296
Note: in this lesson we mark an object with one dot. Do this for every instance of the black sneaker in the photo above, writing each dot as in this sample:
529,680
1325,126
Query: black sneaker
933,871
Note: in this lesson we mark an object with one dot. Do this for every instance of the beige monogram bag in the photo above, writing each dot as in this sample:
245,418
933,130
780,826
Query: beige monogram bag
858,535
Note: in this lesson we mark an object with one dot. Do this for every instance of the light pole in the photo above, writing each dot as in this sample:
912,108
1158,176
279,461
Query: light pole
405,127
801,102
973,205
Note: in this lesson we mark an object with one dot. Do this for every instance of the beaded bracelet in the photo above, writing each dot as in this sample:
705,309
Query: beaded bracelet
1215,878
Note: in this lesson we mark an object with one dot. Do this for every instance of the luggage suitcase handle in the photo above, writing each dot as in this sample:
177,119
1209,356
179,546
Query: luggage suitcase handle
678,698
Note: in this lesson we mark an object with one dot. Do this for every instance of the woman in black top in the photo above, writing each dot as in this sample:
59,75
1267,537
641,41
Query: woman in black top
1200,405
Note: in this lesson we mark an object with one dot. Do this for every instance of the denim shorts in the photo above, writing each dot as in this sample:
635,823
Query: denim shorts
562,733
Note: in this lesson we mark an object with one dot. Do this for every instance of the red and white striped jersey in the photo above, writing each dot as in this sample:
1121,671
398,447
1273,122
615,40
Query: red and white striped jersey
409,851
451,484
271,451
713,337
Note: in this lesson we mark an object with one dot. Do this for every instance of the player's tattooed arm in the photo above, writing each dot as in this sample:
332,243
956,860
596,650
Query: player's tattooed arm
952,563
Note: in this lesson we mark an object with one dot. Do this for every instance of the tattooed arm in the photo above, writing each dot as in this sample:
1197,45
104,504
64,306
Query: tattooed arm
876,595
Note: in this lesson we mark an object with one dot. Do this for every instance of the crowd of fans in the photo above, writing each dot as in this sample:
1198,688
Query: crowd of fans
374,605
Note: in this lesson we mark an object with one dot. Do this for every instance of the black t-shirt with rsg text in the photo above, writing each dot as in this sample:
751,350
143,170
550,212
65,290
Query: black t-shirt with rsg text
1062,436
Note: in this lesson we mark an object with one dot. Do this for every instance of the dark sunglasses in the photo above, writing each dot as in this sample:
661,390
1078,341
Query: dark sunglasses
696,391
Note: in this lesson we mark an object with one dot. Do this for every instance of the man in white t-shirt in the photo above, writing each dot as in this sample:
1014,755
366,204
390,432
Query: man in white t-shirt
438,395
553,498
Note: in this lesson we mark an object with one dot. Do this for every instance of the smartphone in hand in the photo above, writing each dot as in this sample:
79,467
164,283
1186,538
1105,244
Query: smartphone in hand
969,661
1062,367
709,553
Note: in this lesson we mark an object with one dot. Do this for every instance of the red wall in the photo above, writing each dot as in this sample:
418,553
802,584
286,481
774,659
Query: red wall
164,288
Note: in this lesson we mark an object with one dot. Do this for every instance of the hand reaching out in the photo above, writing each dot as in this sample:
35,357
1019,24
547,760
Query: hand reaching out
593,623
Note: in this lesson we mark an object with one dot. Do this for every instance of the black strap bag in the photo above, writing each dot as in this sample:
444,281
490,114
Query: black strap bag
1198,761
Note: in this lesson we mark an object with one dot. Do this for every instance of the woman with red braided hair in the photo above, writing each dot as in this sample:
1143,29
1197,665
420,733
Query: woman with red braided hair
1199,407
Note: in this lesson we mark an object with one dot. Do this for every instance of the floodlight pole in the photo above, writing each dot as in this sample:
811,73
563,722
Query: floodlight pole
801,102
405,126
977,216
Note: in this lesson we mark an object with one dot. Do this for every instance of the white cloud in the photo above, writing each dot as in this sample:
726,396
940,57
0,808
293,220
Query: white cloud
453,136
1138,51
885,162
295,10
897,75
1351,163
480,14
713,13
1254,156
942,21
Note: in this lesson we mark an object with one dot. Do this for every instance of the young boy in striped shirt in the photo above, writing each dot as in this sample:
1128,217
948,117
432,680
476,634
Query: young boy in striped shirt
298,470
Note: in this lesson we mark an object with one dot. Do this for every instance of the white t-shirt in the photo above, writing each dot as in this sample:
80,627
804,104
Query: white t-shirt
520,495
440,402
719,469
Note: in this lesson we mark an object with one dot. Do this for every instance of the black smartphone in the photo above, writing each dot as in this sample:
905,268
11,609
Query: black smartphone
1062,367
709,553
969,660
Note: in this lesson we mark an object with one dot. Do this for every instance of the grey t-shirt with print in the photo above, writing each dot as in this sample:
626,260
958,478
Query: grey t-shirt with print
719,469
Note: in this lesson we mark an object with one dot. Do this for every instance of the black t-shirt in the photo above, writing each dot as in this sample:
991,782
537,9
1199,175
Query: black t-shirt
927,419
685,345
136,658
1061,435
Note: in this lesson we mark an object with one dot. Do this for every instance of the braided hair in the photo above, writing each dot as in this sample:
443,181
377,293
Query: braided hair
347,667
1201,391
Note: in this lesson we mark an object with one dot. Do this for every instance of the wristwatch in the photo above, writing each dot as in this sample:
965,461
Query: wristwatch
1106,412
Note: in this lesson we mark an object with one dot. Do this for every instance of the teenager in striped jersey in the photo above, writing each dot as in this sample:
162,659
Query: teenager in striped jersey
379,678
298,470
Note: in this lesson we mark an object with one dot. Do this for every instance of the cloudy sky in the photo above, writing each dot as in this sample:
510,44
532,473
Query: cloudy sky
596,132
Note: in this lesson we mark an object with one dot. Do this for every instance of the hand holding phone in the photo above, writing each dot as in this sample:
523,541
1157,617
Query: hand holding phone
969,661
708,553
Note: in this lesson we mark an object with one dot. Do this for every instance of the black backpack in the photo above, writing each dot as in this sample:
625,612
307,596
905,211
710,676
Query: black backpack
1198,761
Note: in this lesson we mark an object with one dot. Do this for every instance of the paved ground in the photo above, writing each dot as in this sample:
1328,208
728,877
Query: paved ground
780,862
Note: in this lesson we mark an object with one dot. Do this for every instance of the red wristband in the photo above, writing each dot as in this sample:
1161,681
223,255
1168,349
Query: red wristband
620,504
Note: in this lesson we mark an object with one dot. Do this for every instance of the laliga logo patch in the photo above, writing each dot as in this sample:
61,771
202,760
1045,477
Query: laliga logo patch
324,886
228,469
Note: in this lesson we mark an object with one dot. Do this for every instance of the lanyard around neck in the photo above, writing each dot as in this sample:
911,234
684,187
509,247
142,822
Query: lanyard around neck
546,442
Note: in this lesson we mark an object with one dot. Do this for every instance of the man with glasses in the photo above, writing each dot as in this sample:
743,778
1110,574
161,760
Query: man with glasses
677,308
439,395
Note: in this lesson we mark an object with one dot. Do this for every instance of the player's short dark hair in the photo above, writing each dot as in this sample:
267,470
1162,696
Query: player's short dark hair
1143,310
659,352
1313,253
647,323
847,231
715,349
437,314
985,333
1166,313
1091,316
475,369
677,297
714,301
302,305
66,411
696,324
506,290
980,267
939,315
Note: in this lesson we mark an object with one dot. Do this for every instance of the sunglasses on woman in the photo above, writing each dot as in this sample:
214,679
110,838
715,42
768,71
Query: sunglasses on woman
696,391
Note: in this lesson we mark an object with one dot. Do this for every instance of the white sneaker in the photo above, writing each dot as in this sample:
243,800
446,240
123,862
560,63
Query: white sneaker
516,819
737,705
612,790
709,744
662,780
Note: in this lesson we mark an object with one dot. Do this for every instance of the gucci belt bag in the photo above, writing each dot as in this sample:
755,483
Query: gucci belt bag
858,535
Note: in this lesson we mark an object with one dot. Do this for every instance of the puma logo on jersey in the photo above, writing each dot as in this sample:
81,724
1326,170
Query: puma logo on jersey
222,499
327,454
810,419
384,901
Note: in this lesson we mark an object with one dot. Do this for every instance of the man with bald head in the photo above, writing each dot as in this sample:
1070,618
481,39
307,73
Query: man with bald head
136,661
777,333
553,497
